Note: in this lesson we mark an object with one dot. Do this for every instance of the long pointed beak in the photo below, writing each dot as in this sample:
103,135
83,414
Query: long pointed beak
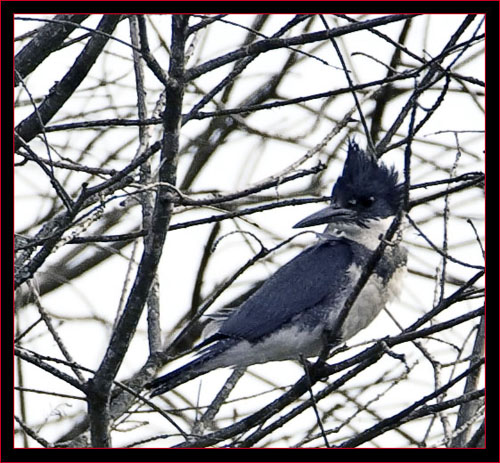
329,214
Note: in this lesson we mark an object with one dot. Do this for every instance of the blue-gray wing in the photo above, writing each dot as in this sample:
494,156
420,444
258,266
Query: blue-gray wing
299,285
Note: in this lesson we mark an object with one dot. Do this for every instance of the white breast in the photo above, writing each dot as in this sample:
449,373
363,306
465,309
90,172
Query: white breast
370,301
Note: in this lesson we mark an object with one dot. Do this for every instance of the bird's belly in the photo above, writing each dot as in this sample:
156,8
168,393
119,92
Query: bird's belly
288,343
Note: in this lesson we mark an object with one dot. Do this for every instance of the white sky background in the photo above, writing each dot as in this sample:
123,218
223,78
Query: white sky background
242,161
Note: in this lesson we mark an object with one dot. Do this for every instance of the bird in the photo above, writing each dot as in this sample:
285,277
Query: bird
287,317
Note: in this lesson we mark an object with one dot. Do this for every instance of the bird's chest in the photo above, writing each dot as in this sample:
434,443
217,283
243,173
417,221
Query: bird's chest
380,288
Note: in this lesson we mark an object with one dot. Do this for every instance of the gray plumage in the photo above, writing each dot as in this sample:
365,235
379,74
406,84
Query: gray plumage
287,316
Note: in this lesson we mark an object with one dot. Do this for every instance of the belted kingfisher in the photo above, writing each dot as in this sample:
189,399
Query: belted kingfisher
287,317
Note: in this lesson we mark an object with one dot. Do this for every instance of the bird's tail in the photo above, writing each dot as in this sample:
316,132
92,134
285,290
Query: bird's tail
197,367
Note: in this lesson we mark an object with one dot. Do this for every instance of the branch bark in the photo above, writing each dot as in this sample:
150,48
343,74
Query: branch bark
99,387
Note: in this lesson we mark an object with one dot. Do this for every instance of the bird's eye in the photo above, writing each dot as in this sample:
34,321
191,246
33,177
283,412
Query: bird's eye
367,201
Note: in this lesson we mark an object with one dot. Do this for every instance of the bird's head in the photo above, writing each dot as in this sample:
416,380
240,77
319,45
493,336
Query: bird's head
365,198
